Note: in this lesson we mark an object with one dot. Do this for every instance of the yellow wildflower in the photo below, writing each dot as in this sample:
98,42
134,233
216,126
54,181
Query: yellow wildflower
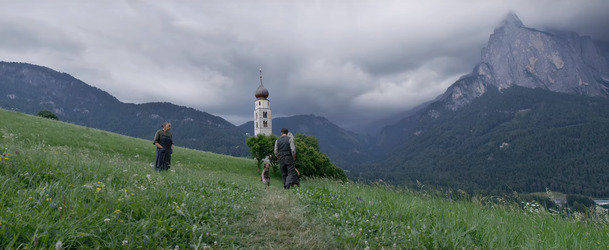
98,189
30,198
117,211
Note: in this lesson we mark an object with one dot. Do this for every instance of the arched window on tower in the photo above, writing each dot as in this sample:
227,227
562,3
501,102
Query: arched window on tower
259,103
256,124
265,124
264,114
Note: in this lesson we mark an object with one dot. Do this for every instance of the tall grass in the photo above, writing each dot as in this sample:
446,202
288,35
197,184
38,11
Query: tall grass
87,198
380,216
86,188
89,188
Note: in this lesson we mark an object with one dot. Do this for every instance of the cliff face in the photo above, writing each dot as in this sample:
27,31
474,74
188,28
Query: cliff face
561,62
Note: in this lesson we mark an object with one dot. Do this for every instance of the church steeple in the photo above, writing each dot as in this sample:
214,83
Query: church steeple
262,111
261,91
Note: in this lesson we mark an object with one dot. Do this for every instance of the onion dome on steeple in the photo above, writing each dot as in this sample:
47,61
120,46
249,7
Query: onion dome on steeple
261,91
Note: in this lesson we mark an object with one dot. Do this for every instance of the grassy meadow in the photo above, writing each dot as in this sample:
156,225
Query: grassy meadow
71,187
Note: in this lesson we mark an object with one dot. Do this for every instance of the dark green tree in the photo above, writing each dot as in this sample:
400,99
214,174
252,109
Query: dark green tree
261,147
579,202
311,162
47,114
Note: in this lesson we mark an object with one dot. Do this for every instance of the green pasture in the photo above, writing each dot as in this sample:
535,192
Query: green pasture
71,187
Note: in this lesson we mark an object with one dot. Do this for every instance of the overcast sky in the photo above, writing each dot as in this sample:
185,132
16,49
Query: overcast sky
349,61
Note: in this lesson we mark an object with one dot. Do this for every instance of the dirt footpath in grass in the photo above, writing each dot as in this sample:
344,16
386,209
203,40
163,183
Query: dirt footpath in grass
282,223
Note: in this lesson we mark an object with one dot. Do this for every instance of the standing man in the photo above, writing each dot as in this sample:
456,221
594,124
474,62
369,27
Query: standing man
286,153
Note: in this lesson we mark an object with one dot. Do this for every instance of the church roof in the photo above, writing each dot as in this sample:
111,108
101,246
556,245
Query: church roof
261,91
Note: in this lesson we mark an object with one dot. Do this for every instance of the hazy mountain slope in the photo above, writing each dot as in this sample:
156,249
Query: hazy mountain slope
375,127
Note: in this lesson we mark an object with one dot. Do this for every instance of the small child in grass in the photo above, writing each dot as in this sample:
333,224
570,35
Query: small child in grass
266,175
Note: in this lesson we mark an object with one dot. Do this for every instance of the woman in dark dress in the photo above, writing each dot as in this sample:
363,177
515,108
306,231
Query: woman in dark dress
164,147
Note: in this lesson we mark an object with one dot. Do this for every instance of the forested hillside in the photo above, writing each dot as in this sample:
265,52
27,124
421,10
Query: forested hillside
520,139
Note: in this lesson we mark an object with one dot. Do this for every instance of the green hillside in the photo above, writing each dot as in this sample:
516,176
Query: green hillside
519,139
62,184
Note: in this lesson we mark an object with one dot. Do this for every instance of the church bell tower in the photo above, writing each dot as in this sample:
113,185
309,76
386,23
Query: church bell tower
263,123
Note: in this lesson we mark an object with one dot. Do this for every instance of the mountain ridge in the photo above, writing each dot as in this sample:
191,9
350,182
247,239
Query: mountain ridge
30,88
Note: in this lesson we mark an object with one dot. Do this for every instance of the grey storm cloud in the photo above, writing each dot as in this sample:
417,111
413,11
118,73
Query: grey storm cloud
349,61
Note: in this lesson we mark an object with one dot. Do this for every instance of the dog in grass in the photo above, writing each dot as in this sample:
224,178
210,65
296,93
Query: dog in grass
266,175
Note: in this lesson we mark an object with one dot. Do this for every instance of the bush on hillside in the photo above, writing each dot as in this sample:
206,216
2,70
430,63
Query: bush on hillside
311,162
47,114
579,203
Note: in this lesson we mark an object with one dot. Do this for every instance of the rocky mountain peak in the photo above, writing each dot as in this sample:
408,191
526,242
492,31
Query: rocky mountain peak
512,20
516,55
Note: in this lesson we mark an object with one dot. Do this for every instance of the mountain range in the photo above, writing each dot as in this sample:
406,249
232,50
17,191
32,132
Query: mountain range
30,88
531,115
